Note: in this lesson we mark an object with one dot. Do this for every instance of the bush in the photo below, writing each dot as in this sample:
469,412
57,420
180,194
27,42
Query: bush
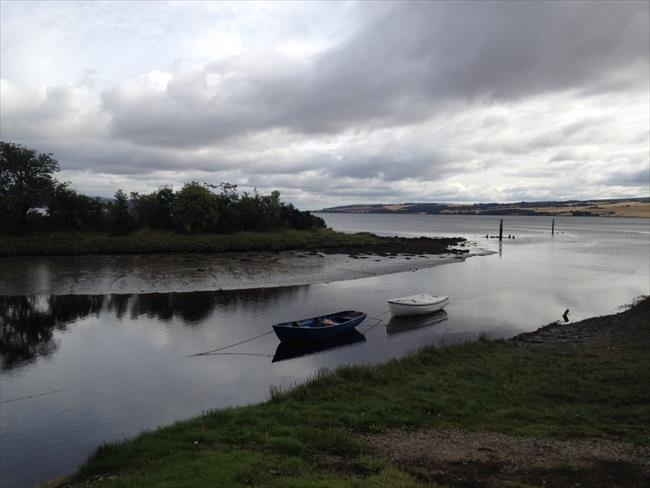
196,209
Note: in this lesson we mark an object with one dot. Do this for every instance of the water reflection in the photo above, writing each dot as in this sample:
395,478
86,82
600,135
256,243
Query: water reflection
402,324
295,350
24,331
27,323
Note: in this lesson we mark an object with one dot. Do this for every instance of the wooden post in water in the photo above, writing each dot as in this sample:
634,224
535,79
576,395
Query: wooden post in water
553,227
500,229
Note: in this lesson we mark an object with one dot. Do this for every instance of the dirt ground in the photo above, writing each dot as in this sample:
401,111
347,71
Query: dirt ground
487,459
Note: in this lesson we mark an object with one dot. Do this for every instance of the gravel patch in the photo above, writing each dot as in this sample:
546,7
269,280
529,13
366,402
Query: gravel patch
514,452
461,458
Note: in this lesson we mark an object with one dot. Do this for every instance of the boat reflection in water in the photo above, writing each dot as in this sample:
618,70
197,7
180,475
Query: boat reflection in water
402,324
289,350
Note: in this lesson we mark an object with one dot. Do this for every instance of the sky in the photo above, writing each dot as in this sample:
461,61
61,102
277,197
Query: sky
335,103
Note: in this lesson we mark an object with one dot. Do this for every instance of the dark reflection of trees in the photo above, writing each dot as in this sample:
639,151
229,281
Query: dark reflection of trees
118,304
25,332
27,322
192,307
70,308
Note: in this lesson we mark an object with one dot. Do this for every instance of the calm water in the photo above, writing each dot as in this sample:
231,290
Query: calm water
79,370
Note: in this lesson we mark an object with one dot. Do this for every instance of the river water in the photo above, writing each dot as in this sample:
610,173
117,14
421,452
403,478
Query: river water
80,370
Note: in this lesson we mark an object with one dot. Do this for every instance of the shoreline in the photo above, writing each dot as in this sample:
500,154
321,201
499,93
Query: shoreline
309,258
102,275
530,390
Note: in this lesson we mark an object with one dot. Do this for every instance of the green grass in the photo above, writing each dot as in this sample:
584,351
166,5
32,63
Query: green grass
75,243
594,391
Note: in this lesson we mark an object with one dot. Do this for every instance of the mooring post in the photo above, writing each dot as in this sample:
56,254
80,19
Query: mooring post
500,229
553,227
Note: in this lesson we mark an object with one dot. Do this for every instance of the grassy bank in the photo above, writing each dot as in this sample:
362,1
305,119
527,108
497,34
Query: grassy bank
67,243
318,434
70,243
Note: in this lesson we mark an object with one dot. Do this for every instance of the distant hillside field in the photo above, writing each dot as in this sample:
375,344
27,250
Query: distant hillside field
634,207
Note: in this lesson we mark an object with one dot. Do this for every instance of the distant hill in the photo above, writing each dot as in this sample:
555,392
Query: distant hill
627,207
104,199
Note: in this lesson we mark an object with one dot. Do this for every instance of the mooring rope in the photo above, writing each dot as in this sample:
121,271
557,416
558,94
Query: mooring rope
223,348
238,354
377,321
31,396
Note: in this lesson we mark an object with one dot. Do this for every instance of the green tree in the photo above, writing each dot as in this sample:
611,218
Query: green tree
154,210
121,219
196,209
228,203
293,218
26,180
67,209
272,210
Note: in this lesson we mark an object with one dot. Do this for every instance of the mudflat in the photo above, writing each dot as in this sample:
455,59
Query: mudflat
161,273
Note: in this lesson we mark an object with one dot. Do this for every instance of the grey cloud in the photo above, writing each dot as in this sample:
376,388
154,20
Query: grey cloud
405,162
568,155
401,68
638,178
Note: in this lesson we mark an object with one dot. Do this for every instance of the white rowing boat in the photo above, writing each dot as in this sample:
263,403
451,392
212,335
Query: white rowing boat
420,304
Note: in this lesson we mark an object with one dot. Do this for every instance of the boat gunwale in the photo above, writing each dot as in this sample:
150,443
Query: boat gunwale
394,302
361,315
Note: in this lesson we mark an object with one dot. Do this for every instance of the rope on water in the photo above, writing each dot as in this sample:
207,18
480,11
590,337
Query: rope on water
31,396
377,321
223,348
238,354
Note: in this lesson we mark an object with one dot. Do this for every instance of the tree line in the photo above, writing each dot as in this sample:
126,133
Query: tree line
32,199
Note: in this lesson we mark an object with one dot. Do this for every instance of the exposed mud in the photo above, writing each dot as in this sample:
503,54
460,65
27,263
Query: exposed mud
162,273
629,326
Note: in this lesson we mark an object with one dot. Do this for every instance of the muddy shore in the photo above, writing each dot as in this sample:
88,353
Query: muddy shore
628,327
162,273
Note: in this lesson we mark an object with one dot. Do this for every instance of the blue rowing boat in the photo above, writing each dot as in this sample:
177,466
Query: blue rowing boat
322,327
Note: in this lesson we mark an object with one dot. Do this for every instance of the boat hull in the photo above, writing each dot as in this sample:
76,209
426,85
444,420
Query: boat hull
306,331
290,350
405,310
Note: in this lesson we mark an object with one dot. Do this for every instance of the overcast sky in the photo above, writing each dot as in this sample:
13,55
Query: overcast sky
335,103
